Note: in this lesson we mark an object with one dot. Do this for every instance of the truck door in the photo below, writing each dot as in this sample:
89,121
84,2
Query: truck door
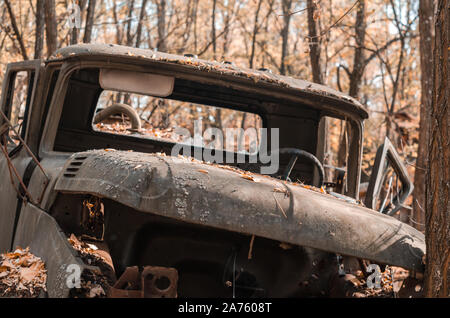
18,96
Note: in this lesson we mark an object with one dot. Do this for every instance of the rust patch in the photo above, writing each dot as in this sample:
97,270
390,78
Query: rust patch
152,282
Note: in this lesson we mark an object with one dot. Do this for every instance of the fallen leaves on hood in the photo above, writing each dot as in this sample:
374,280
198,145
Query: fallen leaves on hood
22,274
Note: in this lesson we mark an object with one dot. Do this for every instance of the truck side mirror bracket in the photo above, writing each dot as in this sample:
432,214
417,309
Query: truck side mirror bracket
387,152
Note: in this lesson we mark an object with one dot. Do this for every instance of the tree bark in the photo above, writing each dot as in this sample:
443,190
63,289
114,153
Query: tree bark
51,27
314,42
316,69
40,25
89,21
437,185
161,12
213,29
286,6
356,74
437,232
116,22
426,67
129,17
139,27
226,26
358,59
255,32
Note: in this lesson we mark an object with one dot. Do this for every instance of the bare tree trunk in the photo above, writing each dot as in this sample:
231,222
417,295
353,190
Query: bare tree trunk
226,26
40,24
263,43
130,16
355,76
74,33
194,16
358,59
116,22
314,42
438,186
213,29
399,70
255,32
19,38
286,6
316,69
161,11
51,27
188,23
426,67
89,21
139,27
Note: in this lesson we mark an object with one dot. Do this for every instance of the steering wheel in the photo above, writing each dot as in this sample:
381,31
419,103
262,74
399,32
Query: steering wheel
296,153
119,108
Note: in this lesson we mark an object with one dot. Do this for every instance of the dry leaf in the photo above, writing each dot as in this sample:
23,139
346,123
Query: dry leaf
248,177
28,274
285,246
280,190
95,291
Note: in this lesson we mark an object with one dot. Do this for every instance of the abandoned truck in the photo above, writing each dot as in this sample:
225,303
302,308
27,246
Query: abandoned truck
87,139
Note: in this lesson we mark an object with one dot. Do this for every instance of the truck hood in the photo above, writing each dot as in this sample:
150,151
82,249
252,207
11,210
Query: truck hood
226,198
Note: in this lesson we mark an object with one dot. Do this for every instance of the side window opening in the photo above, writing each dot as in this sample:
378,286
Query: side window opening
54,79
18,103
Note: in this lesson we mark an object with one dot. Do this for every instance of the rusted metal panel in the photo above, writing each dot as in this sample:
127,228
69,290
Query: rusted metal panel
181,189
151,282
41,233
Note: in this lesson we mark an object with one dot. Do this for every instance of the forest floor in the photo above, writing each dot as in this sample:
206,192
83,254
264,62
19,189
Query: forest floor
23,275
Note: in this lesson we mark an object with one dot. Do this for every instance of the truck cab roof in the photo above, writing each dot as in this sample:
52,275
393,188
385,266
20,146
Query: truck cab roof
318,96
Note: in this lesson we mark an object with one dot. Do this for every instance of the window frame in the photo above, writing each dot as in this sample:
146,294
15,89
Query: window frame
33,68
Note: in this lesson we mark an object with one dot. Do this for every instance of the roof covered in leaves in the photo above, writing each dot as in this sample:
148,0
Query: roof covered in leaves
258,76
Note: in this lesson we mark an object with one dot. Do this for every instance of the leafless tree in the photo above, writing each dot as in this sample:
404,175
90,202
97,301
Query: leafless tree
359,56
89,21
314,41
255,33
17,32
129,22
51,27
141,21
40,25
286,8
161,12
213,28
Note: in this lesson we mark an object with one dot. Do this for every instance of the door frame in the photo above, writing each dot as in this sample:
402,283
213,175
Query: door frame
19,157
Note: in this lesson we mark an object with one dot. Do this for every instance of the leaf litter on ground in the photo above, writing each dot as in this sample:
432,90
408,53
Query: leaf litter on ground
22,274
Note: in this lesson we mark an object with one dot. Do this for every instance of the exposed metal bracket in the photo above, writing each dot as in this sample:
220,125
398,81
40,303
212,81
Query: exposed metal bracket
151,282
